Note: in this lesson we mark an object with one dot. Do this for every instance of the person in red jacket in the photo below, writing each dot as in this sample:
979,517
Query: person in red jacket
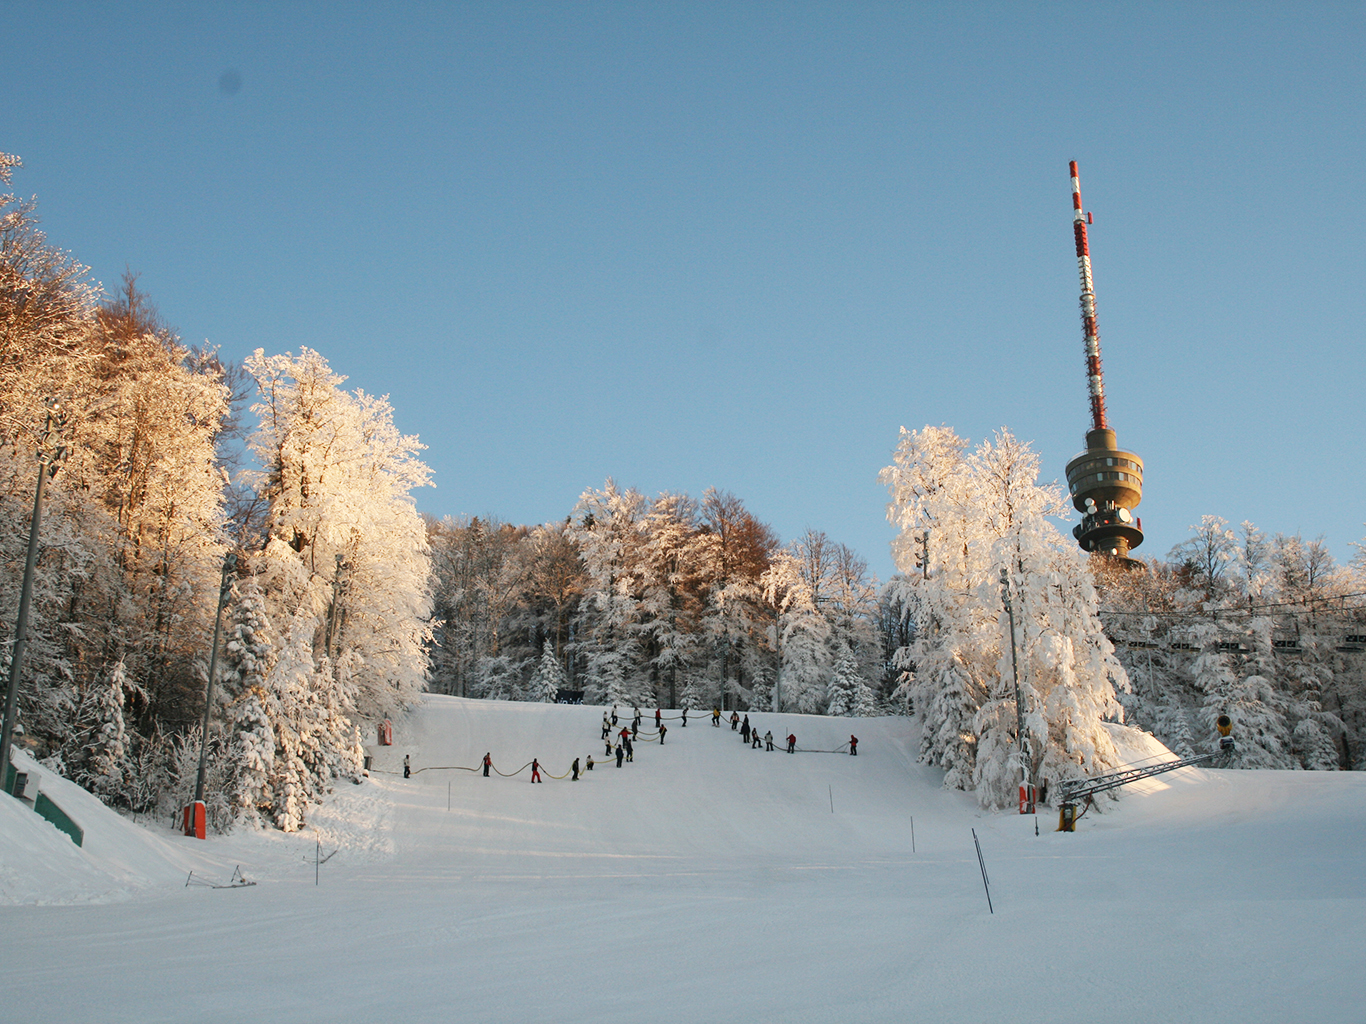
791,743
535,770
488,763
853,745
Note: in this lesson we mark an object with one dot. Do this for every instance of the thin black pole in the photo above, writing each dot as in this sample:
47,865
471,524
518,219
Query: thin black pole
47,466
229,566
983,865
16,663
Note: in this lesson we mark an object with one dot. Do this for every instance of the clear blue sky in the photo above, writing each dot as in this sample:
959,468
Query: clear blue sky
739,245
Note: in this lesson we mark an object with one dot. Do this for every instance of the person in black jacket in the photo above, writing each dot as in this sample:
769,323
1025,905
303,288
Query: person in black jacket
620,754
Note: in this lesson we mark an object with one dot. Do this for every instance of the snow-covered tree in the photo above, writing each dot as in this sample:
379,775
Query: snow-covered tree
850,694
549,678
346,548
609,535
990,541
106,746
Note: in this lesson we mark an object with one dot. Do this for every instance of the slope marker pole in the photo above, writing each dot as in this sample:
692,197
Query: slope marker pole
983,865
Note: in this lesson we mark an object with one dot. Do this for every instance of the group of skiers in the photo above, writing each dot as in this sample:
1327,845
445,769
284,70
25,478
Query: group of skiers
750,733
624,749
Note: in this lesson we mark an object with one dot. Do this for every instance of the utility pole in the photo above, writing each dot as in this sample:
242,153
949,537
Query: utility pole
48,462
195,814
1026,790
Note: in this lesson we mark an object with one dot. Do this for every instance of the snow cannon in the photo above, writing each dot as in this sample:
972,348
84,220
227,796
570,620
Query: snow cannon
1225,726
194,819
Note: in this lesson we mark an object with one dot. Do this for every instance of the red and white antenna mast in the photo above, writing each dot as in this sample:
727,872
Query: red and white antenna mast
1106,482
1095,382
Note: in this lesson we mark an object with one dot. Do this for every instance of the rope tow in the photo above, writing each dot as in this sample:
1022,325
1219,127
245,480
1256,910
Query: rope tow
642,735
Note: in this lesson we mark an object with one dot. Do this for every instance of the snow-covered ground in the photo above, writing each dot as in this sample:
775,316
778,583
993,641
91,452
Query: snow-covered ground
704,882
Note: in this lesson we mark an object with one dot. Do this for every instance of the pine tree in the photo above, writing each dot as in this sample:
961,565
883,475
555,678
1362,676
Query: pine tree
107,742
549,678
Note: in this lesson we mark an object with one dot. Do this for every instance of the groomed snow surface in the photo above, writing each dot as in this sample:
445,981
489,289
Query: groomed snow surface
704,882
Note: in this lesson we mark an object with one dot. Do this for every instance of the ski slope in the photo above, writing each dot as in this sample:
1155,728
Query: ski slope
706,881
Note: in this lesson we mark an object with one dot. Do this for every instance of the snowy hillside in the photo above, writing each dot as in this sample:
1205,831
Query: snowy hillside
706,881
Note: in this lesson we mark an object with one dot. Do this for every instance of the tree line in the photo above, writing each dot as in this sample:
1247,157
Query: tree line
1014,652
1021,650
328,617
671,601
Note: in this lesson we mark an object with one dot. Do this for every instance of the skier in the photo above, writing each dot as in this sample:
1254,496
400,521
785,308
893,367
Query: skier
608,744
625,734
635,722
614,714
635,729
606,725
685,718
768,739
588,765
754,739
620,754
735,720
407,768
574,771
791,743
853,745
535,770
630,749
488,763
716,717
744,730
662,730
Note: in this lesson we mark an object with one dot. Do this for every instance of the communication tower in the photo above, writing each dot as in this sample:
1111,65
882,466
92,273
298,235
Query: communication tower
1106,483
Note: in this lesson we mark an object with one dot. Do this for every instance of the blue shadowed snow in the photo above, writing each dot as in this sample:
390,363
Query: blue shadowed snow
704,882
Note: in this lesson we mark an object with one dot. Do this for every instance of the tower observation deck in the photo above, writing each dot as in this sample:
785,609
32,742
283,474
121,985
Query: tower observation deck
1105,482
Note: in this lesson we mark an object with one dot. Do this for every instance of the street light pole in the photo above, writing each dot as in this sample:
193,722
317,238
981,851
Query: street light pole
48,463
225,588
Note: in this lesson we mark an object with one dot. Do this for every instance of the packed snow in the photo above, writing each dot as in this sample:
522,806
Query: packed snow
704,881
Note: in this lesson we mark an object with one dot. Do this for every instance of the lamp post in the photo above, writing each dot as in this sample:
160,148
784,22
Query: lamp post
194,815
49,462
